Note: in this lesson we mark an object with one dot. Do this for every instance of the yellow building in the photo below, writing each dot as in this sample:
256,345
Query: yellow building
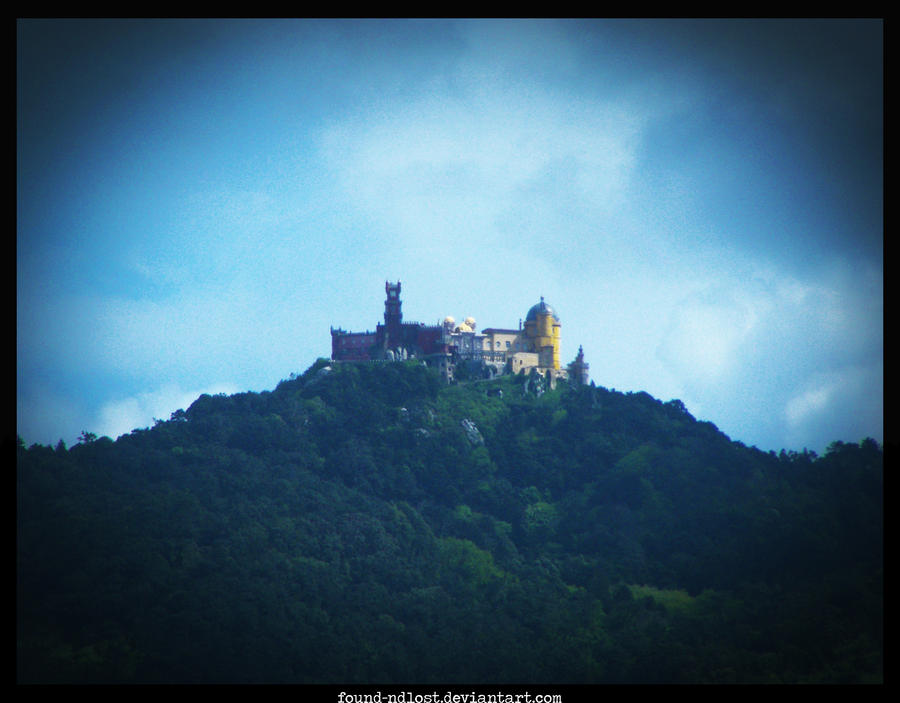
535,345
541,333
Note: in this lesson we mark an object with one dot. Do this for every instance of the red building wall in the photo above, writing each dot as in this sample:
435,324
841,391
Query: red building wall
351,346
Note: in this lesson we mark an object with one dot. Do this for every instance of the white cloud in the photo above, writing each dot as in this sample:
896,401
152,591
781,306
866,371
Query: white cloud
709,331
775,359
812,401
120,417
445,167
844,404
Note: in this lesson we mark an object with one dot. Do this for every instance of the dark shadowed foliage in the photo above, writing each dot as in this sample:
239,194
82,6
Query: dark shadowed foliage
363,523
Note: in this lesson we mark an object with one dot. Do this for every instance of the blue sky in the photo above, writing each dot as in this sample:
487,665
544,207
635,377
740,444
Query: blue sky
701,202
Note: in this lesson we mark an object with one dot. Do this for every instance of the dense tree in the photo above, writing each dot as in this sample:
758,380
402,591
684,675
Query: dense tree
352,526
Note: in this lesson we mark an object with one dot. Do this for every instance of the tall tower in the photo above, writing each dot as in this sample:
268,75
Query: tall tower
579,370
393,315
542,328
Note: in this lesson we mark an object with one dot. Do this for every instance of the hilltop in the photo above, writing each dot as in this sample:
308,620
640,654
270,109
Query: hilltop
368,523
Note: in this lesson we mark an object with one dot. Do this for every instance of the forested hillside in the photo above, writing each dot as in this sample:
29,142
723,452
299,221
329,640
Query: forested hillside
364,523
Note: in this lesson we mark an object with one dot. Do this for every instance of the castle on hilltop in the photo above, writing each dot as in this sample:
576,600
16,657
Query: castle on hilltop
533,346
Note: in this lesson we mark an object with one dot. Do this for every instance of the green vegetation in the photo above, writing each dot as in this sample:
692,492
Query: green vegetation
673,600
364,523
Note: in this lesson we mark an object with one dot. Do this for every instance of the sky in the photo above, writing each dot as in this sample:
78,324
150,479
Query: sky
701,202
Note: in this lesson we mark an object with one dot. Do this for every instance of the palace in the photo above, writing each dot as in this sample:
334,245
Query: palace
534,345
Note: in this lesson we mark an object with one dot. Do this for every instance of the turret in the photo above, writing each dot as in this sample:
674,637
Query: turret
542,329
579,370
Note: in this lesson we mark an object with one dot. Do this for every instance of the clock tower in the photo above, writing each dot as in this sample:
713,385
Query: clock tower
393,315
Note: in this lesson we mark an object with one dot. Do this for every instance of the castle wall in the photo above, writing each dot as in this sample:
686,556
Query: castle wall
524,361
352,346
